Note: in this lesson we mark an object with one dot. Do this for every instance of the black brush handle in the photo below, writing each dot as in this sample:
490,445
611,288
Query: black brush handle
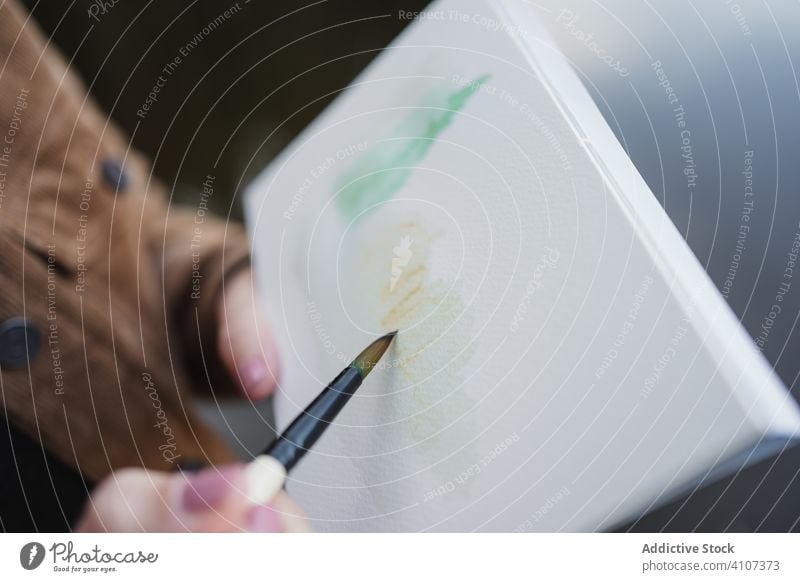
304,431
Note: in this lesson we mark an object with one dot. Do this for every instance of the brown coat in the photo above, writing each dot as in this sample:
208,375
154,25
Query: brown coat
99,277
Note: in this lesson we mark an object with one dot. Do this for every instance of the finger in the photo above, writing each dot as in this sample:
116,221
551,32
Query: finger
246,345
293,518
127,501
213,500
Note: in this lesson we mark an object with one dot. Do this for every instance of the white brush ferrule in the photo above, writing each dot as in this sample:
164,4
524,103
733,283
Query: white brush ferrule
264,478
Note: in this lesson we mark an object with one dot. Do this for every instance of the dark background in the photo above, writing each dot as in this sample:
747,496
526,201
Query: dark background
734,66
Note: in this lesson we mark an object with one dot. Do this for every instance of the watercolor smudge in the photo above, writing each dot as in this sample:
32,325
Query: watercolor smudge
386,166
424,385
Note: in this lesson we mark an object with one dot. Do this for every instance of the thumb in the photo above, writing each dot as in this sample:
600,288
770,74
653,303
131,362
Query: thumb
246,345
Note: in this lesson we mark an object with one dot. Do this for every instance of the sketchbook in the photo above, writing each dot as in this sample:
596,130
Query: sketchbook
563,363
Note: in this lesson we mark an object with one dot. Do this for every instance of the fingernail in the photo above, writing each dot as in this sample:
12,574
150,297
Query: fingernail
253,372
208,488
264,519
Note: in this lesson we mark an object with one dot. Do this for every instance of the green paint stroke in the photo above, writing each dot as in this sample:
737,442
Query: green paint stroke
383,169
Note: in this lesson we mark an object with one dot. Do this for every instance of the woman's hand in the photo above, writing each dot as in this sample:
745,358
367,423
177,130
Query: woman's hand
245,343
212,500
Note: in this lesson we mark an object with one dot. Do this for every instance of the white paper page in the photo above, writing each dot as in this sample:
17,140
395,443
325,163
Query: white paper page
550,372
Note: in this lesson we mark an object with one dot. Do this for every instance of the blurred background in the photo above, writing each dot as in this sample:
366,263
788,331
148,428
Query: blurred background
246,88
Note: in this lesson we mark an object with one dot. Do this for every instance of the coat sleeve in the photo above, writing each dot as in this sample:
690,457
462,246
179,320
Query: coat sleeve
184,249
114,288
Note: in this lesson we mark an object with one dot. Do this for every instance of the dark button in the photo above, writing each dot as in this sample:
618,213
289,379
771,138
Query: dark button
114,175
19,342
191,466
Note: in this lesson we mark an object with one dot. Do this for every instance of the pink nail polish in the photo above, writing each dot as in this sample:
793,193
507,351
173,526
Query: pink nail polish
264,519
208,488
253,372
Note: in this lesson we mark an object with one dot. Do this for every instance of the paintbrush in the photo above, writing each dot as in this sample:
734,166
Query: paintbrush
266,474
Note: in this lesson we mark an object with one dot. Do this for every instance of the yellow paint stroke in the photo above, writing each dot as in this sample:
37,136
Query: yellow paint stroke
431,350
